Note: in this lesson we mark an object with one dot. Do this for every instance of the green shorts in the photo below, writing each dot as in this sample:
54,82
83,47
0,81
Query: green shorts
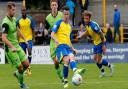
15,58
52,49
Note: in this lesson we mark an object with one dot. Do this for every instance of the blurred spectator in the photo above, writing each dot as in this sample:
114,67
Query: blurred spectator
116,21
109,37
41,35
71,5
83,5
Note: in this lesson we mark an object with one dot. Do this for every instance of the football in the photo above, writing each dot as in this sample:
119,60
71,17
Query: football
77,79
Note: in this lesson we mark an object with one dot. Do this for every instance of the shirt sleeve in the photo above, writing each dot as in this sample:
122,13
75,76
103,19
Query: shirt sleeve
17,22
32,24
56,26
96,28
5,28
46,24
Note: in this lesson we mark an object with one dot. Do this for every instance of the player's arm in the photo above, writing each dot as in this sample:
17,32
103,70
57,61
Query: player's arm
33,28
21,35
54,30
47,26
54,38
102,37
5,28
84,34
72,47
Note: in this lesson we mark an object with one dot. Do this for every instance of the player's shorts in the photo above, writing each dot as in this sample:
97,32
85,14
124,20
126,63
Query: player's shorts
97,49
63,50
52,49
24,46
15,58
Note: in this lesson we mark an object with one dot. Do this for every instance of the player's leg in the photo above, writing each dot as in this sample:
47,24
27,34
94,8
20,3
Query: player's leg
29,49
97,58
62,52
24,61
104,62
14,59
23,46
57,67
54,58
73,64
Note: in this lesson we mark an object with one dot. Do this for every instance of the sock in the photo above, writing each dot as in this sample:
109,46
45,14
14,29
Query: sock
59,73
65,71
29,58
20,77
105,62
100,67
73,65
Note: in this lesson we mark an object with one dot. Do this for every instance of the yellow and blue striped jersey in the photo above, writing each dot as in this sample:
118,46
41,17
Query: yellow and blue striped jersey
93,30
26,26
62,32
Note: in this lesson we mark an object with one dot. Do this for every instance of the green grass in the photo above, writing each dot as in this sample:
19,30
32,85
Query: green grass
44,77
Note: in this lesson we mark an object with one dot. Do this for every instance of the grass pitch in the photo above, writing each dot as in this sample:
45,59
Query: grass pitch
44,77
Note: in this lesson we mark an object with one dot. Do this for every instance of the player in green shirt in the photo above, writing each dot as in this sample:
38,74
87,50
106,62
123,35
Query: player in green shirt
51,19
13,51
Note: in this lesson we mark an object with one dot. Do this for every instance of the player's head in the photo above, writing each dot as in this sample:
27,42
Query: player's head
11,9
66,14
115,7
23,11
87,16
54,5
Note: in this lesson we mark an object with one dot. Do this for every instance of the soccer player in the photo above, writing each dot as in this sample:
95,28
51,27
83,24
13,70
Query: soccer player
93,29
26,25
61,35
51,19
13,51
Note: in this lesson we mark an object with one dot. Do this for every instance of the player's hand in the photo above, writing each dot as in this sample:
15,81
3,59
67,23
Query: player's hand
78,37
75,51
57,43
14,49
26,42
104,49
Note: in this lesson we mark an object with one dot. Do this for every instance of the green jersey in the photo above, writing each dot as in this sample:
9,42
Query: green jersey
51,20
9,27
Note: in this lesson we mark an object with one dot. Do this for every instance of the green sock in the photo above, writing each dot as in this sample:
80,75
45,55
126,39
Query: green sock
20,77
59,73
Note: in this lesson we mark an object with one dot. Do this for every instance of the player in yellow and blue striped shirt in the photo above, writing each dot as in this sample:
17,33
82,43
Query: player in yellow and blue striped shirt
61,35
26,25
93,30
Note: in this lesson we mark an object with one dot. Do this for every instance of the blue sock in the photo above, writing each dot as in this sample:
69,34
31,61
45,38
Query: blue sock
104,62
65,71
29,58
73,65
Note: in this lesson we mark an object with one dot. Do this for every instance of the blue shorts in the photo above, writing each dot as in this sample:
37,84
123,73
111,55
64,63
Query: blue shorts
24,46
97,49
63,50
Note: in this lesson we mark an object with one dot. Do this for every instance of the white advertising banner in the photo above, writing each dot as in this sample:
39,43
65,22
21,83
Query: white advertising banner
2,56
41,55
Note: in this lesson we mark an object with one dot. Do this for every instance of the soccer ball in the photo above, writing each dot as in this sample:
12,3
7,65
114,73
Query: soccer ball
77,79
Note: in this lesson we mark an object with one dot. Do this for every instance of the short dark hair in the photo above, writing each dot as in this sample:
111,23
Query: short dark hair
53,1
66,8
87,13
10,5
